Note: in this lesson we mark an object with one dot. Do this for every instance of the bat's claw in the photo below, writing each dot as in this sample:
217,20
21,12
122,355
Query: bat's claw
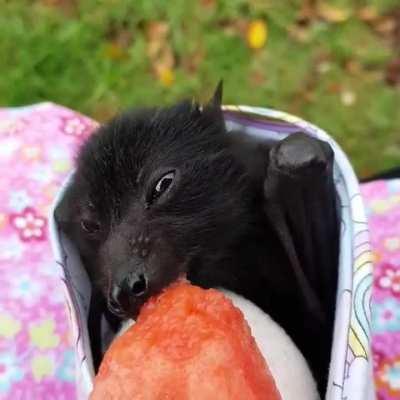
302,156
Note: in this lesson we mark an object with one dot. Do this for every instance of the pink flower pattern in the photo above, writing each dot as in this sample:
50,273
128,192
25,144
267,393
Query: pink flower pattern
382,200
388,278
35,143
29,225
77,125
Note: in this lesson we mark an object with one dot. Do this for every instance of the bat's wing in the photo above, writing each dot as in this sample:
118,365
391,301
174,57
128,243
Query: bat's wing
301,205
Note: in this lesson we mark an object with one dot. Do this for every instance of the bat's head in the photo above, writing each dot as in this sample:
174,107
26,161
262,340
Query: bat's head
154,190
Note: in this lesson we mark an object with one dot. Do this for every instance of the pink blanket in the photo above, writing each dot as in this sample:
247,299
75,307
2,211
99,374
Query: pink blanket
37,146
382,200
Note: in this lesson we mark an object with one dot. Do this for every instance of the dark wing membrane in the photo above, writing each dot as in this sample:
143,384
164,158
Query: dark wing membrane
301,205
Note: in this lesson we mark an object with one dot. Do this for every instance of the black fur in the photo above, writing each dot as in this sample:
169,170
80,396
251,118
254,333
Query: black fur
211,225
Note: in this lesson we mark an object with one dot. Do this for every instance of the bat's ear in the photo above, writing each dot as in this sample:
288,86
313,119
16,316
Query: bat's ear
212,111
216,100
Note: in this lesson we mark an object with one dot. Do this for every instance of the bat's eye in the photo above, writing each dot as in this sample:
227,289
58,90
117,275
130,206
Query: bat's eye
162,185
90,226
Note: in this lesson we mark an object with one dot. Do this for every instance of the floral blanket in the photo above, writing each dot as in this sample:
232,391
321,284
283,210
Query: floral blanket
37,146
382,200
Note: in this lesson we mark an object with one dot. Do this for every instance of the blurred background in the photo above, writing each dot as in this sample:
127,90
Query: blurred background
334,63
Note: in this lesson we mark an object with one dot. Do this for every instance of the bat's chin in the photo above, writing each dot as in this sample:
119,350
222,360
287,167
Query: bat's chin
123,314
129,311
182,278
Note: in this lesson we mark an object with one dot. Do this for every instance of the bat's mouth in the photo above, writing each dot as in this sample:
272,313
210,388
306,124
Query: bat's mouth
116,310
135,303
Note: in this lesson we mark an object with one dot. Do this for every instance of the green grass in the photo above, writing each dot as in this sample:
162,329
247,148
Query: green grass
67,53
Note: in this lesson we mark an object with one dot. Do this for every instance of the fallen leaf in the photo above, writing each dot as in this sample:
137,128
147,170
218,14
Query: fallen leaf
307,12
331,13
191,62
238,26
157,37
68,7
348,97
208,3
353,67
324,67
257,34
392,75
334,88
300,33
385,25
368,14
309,97
160,51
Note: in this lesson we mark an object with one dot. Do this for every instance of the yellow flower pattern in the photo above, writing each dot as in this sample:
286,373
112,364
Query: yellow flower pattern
9,326
42,335
42,366
62,166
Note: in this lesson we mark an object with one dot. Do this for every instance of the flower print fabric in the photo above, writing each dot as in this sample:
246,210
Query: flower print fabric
382,200
37,145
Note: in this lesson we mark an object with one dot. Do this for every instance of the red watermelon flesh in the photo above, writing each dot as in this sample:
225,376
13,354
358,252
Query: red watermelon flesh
188,344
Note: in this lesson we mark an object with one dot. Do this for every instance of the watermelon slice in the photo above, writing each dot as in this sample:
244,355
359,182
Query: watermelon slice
188,344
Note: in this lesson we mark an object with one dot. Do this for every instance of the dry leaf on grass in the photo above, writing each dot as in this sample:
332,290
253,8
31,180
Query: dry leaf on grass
368,14
323,67
208,3
348,97
160,52
234,27
190,62
334,88
312,10
331,13
299,33
384,25
388,26
392,75
353,67
307,12
68,7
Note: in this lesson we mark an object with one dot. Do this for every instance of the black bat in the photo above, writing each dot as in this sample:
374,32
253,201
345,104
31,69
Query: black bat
163,192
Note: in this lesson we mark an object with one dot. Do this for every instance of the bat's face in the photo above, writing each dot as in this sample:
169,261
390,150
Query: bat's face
153,191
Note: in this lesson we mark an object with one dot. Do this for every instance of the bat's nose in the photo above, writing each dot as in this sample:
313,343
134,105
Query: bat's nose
136,284
133,286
